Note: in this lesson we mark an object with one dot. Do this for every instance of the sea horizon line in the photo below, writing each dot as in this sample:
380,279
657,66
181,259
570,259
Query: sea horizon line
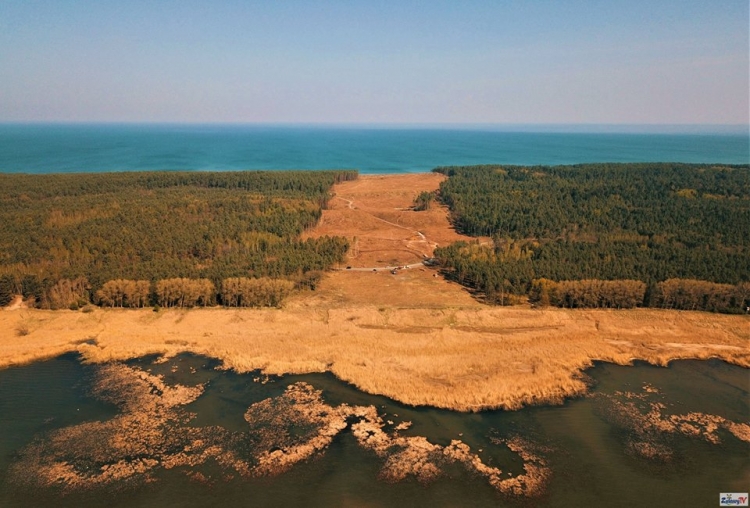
541,128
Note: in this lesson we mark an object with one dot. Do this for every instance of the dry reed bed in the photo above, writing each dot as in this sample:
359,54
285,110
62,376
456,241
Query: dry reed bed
465,359
647,421
151,433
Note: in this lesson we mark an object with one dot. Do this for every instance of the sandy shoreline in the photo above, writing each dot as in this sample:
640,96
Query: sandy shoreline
457,358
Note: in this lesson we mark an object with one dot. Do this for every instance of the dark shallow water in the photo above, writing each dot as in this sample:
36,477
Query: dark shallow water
587,448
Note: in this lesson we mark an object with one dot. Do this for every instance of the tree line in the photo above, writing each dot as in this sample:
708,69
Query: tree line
682,294
644,223
591,293
176,292
152,226
505,280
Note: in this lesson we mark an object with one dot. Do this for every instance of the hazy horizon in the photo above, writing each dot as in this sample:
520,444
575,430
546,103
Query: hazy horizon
673,62
551,128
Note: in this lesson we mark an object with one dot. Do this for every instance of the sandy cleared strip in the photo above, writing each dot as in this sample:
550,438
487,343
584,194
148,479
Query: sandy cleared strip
465,359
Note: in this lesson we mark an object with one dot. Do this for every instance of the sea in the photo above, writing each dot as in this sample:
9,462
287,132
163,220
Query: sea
86,148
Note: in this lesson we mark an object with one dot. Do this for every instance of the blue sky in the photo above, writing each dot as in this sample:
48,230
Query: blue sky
611,62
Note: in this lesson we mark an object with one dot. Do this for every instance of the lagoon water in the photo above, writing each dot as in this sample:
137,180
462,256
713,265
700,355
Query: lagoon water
65,148
584,443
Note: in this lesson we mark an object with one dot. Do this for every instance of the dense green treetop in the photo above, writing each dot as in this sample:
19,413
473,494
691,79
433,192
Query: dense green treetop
159,225
689,203
644,222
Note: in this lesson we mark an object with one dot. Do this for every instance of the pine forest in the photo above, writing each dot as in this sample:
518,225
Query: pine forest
167,238
602,235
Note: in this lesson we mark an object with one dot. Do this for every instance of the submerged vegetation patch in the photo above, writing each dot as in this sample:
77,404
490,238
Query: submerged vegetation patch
152,432
647,422
183,424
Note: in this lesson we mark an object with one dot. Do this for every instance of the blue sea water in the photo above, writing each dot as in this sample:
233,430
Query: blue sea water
53,148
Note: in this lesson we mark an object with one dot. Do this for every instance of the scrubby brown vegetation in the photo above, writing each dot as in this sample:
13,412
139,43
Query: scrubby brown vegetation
263,292
646,422
375,213
153,431
124,293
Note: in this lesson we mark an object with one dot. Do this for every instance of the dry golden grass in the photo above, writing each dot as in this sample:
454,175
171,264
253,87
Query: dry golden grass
459,358
412,337
376,211
411,288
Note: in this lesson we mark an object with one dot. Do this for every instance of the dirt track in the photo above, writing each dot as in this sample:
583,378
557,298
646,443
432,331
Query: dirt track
375,213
